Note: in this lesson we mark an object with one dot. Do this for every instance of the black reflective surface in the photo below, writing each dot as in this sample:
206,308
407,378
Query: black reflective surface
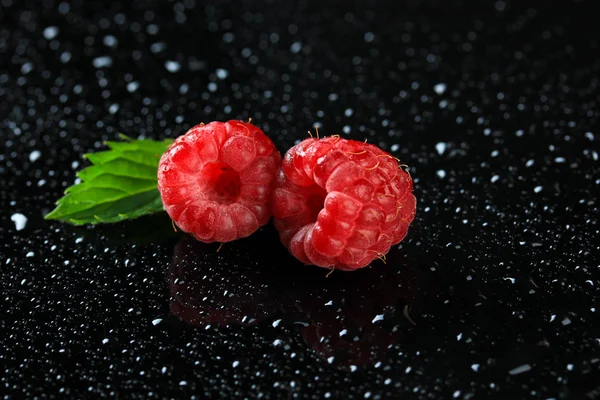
494,293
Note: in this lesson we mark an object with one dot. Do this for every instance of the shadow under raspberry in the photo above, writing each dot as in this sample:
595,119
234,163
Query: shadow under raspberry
347,318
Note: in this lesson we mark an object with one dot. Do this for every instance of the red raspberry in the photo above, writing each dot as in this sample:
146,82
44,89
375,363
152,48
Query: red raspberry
341,203
216,180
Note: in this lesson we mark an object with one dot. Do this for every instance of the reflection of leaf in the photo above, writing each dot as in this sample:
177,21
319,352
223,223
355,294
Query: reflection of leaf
120,184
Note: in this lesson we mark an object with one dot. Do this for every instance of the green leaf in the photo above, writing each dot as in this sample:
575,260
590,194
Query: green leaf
139,157
119,167
120,184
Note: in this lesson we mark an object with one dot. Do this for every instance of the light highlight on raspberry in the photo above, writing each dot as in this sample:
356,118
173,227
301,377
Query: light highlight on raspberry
341,203
216,180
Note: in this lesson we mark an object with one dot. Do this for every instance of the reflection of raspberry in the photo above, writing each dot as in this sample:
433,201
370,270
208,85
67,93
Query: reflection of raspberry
341,203
206,290
215,181
355,318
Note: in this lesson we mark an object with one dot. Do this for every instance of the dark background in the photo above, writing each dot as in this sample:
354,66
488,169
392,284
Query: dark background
494,293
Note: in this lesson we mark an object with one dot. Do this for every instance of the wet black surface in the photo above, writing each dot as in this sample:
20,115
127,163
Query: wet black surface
494,293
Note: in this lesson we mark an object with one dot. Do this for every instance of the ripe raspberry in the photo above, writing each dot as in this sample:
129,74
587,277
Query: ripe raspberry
341,203
216,180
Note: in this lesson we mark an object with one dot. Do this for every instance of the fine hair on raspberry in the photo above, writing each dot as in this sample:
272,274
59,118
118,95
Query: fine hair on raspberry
341,203
216,180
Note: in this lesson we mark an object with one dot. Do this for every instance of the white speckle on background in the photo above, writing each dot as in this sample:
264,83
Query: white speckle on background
156,321
65,57
104,341
235,364
110,41
495,178
133,86
296,47
589,135
276,323
520,369
222,73
20,221
172,66
30,254
26,68
158,47
441,173
440,88
441,147
102,62
378,317
50,32
537,189
34,155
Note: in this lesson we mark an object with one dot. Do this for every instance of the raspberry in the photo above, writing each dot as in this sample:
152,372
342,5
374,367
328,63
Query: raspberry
341,203
216,180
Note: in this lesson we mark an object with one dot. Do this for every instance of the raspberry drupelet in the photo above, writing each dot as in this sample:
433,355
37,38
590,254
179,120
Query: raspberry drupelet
340,203
216,180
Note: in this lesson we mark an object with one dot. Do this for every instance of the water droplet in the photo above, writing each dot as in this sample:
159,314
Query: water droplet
222,73
296,47
102,62
440,88
20,221
520,369
440,147
172,66
50,32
